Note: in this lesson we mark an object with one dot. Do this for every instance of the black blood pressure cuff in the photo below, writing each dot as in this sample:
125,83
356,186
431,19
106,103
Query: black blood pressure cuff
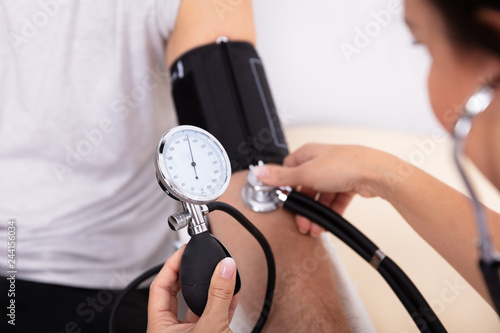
223,89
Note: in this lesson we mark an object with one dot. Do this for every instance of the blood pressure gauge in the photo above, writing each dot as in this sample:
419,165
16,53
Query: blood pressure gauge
192,166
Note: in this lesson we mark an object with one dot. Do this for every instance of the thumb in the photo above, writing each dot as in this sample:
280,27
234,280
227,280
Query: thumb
220,295
276,175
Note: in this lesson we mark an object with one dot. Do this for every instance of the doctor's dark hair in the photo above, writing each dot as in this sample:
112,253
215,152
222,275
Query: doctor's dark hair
465,26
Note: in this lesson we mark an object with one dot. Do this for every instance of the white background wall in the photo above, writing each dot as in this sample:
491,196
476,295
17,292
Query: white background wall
384,86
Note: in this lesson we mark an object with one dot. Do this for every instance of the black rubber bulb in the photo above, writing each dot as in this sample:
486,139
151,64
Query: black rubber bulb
199,260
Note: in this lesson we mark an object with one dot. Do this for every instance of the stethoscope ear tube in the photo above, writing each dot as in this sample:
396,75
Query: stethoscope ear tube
416,305
490,259
492,279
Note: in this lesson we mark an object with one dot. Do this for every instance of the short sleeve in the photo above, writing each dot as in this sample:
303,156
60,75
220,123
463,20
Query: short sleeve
167,11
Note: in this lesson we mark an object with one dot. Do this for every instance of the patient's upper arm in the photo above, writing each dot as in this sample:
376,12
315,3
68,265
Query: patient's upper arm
200,22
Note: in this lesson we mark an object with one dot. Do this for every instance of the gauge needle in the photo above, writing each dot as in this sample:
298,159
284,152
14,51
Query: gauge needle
193,163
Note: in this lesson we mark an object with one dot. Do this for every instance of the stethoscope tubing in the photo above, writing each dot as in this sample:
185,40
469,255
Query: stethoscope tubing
416,305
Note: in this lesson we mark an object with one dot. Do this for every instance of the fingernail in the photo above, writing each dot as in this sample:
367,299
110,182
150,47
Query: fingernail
261,171
302,231
227,268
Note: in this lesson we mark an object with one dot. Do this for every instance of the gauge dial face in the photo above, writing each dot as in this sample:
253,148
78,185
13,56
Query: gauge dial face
192,165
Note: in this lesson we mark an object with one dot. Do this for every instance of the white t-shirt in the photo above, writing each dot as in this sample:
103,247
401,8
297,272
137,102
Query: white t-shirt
84,100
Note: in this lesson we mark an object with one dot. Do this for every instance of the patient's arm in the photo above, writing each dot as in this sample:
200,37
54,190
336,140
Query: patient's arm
306,297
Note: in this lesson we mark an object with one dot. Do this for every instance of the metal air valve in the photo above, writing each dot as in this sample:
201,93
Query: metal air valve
192,216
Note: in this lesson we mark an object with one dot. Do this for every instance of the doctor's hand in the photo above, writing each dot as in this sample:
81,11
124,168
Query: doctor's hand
331,174
162,307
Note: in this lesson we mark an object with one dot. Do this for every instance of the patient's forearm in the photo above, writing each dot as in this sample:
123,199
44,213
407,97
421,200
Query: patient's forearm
306,297
440,214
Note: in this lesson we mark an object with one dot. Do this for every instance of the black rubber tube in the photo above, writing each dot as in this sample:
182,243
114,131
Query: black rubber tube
271,266
391,267
414,293
336,219
490,275
298,208
124,293
408,303
400,289
424,313
409,295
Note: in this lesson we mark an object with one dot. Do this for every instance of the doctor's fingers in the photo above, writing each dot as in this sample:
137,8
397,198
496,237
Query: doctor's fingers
306,226
162,305
338,202
341,201
305,153
221,302
281,176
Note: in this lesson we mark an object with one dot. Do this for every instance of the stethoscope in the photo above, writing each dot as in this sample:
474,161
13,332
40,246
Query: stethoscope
490,260
193,168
